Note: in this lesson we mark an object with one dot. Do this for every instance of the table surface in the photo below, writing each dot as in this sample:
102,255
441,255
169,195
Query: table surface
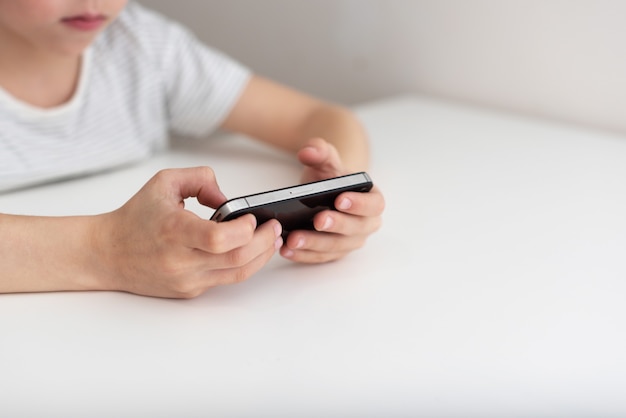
496,287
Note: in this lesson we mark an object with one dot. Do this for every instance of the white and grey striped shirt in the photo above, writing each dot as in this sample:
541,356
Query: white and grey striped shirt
143,78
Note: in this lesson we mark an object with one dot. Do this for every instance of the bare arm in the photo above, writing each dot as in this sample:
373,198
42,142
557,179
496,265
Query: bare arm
153,246
45,254
150,246
288,119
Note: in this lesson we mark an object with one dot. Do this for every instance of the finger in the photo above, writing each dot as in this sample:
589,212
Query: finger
217,237
241,273
371,203
324,242
267,237
311,257
321,156
345,224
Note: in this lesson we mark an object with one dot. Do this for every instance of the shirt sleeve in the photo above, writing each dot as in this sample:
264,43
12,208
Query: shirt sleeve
201,84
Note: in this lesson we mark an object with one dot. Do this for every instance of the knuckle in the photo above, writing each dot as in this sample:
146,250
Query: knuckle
377,223
162,176
382,203
335,256
242,274
170,229
216,241
180,287
162,180
186,292
319,257
237,257
373,203
185,288
238,275
176,273
360,243
172,268
207,172
333,245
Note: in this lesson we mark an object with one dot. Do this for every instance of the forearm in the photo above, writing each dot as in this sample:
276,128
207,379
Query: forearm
46,254
288,119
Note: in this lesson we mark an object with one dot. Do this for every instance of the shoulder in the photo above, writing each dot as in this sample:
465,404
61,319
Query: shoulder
141,22
151,53
143,32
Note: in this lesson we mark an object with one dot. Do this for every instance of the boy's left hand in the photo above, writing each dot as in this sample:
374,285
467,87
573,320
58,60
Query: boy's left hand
339,232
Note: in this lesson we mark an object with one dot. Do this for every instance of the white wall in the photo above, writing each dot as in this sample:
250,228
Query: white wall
564,59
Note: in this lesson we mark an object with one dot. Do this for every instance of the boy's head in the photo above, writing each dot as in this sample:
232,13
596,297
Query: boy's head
59,26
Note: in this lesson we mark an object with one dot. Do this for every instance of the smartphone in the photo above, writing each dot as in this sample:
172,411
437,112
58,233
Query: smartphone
295,206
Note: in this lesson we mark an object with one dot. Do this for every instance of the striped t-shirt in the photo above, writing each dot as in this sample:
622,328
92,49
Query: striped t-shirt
143,78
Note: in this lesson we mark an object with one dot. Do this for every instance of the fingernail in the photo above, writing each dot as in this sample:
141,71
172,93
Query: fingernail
299,243
287,253
278,229
278,243
344,204
328,222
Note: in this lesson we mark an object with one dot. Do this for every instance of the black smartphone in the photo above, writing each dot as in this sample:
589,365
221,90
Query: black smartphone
295,206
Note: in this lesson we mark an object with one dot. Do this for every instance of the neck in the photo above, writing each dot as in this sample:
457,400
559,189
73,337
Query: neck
33,75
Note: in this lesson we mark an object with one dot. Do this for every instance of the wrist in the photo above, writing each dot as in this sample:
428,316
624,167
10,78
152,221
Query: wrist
99,270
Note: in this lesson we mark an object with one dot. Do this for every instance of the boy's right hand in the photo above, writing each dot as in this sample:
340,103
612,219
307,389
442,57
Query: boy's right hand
153,246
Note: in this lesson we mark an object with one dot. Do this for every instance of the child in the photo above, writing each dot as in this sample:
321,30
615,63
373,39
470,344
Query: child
86,86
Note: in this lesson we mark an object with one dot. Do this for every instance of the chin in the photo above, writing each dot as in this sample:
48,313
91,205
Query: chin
71,45
73,49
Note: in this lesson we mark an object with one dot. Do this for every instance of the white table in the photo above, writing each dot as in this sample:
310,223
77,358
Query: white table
496,287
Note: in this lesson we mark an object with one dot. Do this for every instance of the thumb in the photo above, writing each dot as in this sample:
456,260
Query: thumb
322,157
